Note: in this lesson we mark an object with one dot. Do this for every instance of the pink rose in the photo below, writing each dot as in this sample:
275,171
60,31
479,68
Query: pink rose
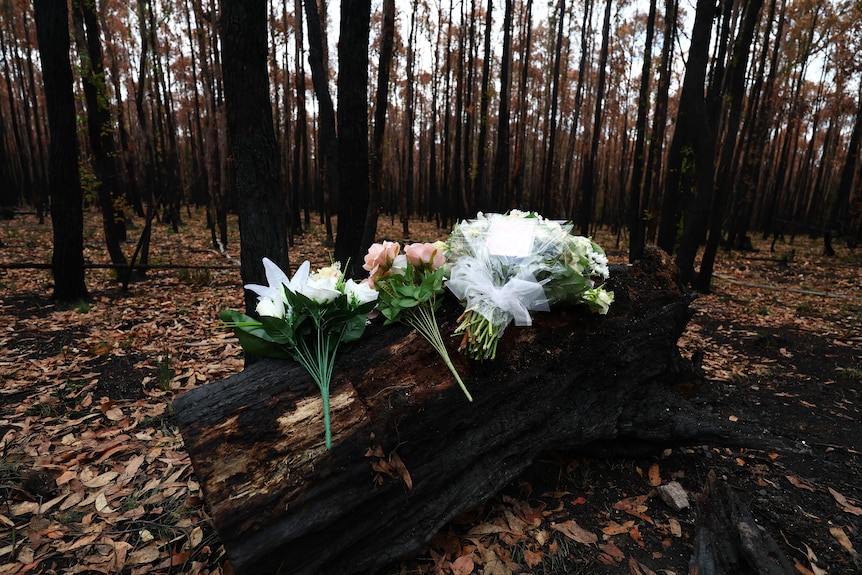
379,258
422,256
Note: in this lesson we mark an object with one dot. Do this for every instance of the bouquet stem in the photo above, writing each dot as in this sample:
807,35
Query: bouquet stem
326,421
319,364
422,318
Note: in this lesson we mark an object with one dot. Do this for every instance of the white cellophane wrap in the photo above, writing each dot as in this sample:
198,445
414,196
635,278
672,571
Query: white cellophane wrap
504,266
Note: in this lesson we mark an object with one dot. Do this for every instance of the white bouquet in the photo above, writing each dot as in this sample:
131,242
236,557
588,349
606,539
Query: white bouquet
505,265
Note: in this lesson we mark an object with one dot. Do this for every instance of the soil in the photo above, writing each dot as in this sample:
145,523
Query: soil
777,341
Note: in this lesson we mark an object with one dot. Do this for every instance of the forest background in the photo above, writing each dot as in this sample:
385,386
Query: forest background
694,125
684,124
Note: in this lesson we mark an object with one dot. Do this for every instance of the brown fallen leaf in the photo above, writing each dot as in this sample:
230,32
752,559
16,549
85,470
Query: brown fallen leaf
611,554
533,558
146,554
635,507
614,528
100,480
654,475
838,533
572,530
463,565
844,504
638,568
799,483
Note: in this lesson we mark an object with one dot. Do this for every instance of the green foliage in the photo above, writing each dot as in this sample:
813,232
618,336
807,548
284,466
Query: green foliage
400,292
90,182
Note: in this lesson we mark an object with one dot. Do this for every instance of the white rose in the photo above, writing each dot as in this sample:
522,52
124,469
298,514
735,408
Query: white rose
359,293
322,290
399,265
599,300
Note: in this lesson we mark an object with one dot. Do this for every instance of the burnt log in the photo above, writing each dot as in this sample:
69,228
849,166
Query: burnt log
729,540
410,452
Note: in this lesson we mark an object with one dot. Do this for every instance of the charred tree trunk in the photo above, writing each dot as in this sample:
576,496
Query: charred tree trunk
67,218
410,453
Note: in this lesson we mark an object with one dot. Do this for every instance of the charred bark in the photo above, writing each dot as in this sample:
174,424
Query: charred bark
729,541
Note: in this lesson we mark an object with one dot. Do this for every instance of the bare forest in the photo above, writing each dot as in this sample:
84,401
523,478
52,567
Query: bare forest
685,124
153,151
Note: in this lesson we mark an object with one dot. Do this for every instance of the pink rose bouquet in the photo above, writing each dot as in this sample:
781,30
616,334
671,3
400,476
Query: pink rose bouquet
408,285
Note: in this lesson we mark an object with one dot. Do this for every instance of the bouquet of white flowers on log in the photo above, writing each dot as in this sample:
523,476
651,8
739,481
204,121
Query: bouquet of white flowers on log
502,266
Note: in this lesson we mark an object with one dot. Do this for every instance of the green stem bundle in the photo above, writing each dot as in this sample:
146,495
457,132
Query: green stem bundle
423,319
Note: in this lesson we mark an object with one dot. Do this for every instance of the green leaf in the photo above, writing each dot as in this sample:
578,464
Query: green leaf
353,329
260,347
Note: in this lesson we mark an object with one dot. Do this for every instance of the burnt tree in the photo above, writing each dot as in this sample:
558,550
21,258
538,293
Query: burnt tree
67,197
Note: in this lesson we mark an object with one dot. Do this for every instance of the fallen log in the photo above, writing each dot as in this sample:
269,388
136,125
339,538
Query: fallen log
729,541
410,453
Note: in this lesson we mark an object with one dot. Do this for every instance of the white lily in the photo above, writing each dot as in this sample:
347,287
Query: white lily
271,301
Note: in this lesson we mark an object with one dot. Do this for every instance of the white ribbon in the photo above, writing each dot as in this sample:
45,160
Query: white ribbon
473,282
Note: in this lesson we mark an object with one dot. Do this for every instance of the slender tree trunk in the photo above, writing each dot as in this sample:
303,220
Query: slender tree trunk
551,201
353,132
67,217
40,170
301,180
576,112
733,93
482,196
25,162
500,180
328,139
636,221
469,195
693,132
458,204
520,155
387,40
835,225
409,136
445,212
690,127
262,213
200,176
100,129
758,123
588,177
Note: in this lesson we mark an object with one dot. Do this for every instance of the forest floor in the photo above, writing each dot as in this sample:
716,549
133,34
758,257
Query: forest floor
94,477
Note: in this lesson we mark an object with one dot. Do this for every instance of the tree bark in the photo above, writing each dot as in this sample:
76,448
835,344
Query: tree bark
500,179
100,129
636,221
729,540
262,207
589,175
387,41
353,132
67,213
327,136
841,205
410,453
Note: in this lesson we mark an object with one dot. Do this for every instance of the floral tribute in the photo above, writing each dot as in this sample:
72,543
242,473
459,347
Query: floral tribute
305,318
505,265
408,285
